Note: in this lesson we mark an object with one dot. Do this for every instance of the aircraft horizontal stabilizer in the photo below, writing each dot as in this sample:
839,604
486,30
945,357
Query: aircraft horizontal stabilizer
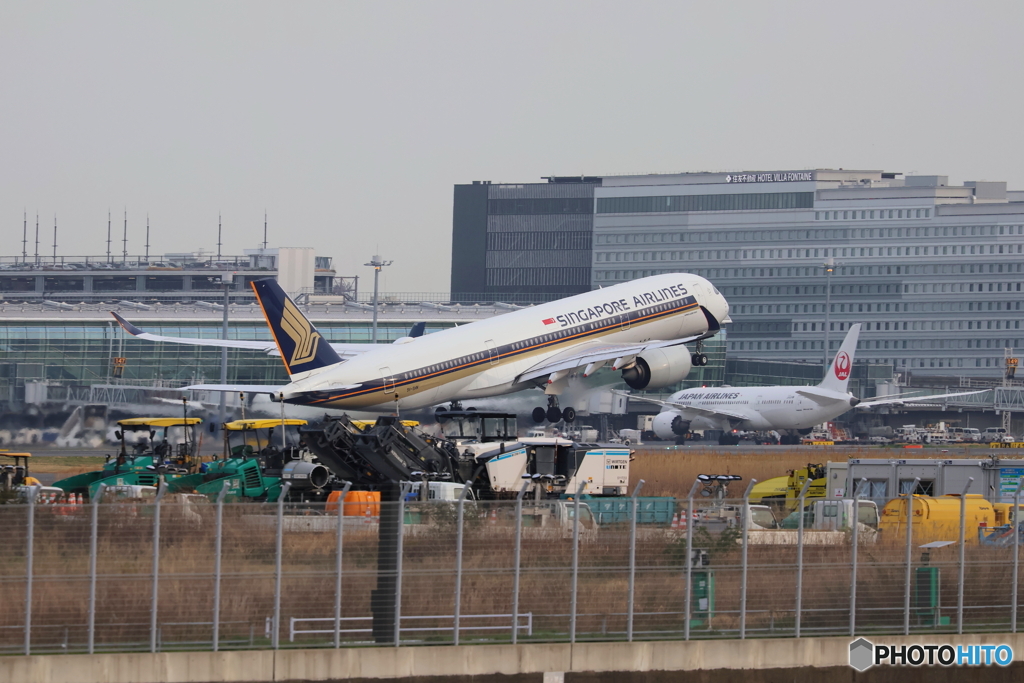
821,400
240,388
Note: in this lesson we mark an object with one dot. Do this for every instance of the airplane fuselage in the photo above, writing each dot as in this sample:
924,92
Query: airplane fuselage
757,408
484,358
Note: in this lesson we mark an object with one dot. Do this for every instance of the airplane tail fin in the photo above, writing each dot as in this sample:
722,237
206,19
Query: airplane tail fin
302,348
838,374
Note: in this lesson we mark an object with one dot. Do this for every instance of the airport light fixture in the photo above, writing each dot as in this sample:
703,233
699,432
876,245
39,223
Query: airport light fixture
829,266
376,263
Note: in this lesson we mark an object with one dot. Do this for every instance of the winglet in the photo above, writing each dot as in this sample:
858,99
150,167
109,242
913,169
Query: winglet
128,327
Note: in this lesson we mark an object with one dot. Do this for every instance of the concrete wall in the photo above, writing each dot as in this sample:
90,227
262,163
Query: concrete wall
460,663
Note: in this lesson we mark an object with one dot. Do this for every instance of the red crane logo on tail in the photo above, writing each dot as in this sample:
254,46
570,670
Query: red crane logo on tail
842,368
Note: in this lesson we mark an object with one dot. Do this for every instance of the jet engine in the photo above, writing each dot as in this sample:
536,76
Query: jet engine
669,425
659,368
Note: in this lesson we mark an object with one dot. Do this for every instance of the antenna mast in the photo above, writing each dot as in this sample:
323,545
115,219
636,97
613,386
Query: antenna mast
37,238
218,236
24,239
147,237
55,239
108,235
124,241
264,230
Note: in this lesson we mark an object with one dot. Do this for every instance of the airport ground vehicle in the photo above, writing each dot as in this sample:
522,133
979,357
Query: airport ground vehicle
167,447
14,475
936,518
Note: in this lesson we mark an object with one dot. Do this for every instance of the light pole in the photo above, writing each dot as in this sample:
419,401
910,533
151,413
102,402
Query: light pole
376,263
829,266
226,284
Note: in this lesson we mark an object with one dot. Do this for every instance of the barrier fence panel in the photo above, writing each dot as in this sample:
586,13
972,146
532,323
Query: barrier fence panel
446,595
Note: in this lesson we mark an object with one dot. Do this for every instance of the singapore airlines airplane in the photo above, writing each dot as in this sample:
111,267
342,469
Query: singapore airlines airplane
639,328
795,409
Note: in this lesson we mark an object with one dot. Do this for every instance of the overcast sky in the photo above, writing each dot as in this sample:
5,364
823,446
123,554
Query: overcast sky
349,123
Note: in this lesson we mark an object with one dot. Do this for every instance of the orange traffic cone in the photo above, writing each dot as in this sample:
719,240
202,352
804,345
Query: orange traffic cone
675,522
494,517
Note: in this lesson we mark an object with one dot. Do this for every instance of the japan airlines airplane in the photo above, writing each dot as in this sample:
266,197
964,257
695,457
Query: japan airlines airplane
795,409
639,328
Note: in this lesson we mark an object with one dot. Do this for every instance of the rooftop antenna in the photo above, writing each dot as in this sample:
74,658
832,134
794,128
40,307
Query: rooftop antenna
55,238
124,241
37,238
218,237
24,239
147,237
108,235
264,230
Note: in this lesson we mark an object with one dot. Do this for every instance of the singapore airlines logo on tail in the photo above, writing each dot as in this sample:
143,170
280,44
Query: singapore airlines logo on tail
843,365
301,332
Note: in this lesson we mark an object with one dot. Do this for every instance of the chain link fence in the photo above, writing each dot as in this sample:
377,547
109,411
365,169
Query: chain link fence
184,573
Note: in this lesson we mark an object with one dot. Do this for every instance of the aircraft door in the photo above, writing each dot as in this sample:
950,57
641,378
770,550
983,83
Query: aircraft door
624,322
389,380
491,351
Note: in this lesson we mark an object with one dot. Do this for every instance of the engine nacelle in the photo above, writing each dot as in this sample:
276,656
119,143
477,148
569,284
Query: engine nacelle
669,425
659,368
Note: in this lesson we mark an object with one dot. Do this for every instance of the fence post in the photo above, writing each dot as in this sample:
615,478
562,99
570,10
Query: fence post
218,540
33,491
853,554
1016,553
689,559
801,501
461,506
153,601
632,559
93,540
518,556
337,565
575,559
399,543
745,520
910,538
960,575
275,623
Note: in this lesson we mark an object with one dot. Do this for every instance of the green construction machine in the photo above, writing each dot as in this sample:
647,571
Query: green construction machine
151,448
256,463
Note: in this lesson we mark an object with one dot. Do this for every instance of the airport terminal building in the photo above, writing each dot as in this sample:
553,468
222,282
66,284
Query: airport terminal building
933,271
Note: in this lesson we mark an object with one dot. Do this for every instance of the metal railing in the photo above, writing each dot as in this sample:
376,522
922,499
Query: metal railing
180,571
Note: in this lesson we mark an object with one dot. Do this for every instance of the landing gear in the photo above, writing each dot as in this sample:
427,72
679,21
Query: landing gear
441,413
729,439
699,359
553,413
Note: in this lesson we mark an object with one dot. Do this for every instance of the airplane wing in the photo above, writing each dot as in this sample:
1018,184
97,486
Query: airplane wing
269,346
903,400
678,405
583,355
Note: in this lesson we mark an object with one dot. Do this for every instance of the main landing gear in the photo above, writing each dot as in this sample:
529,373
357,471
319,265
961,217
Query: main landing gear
552,413
699,359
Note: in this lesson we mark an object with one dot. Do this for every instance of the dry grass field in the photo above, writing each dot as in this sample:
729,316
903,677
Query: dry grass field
65,465
671,471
